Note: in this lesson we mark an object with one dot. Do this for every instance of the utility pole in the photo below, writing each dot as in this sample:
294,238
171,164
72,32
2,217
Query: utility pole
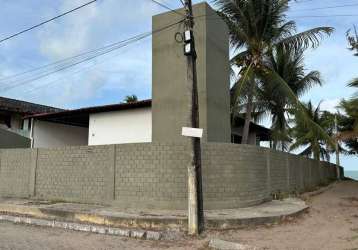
337,148
195,200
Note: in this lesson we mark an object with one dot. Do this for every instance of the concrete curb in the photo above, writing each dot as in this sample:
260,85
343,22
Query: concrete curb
151,223
138,234
218,244
247,222
217,220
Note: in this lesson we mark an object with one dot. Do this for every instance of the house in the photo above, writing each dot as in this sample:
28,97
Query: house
14,130
162,118
109,124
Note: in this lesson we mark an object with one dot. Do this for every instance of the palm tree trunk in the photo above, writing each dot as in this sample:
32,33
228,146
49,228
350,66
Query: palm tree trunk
249,105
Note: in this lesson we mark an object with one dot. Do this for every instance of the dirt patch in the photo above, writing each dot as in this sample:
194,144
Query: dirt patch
330,224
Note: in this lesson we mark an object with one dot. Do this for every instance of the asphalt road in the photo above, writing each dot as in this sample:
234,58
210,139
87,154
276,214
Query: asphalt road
24,237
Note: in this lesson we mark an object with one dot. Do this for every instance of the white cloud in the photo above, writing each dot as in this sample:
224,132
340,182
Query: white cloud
330,105
71,92
92,27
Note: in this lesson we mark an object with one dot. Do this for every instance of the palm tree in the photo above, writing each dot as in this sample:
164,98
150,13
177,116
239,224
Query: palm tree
349,123
315,144
353,40
257,26
130,98
288,64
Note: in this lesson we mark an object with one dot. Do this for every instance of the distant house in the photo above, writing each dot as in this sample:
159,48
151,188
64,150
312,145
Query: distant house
109,124
14,130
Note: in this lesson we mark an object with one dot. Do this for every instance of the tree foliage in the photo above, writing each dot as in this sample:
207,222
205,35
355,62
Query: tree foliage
352,37
315,144
257,28
130,98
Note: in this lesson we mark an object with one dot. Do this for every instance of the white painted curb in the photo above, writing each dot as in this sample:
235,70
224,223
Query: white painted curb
138,234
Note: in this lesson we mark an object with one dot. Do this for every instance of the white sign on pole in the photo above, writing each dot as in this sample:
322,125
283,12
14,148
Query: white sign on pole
192,132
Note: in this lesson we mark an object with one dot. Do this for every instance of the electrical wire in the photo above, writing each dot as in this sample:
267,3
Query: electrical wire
87,56
327,7
70,58
168,8
44,22
325,16
211,17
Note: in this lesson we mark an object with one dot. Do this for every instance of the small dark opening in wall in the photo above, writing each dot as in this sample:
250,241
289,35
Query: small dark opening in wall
5,120
236,139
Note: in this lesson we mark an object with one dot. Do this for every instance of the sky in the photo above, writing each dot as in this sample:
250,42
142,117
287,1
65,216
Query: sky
127,71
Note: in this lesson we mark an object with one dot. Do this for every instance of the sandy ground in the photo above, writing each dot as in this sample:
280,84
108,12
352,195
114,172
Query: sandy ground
331,223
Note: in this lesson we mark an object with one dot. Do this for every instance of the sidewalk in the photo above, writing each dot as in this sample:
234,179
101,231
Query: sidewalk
30,211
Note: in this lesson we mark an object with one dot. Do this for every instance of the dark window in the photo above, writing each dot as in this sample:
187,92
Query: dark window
236,139
5,120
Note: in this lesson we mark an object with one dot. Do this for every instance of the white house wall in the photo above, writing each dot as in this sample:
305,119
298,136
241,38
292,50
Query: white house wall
52,135
125,126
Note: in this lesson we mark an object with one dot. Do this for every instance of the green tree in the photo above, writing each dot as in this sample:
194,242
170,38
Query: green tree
353,40
349,123
315,144
130,98
256,27
288,64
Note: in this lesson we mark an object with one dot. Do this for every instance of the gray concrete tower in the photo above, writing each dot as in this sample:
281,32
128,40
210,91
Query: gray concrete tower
169,95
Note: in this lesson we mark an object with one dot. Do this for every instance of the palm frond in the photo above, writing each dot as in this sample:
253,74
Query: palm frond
300,109
353,83
309,38
307,82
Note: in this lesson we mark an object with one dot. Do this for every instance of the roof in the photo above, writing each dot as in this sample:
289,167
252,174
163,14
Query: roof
262,132
24,108
80,117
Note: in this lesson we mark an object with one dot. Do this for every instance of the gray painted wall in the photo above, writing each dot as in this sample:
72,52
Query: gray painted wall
9,139
169,89
154,175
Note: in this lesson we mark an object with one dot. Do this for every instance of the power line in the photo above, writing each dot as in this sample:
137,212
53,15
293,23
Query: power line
47,21
327,7
167,7
305,16
68,62
342,15
70,58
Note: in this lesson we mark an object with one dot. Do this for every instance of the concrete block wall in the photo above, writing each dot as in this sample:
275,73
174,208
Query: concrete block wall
154,175
16,168
82,174
234,175
151,175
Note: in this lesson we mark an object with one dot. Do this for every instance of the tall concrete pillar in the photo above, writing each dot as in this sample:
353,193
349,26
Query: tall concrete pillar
169,87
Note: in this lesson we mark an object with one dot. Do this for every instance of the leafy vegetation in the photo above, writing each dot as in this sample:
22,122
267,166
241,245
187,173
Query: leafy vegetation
353,40
349,121
258,29
314,143
130,98
288,64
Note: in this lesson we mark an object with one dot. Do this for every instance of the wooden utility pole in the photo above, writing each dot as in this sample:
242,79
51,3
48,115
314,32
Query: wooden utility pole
195,201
